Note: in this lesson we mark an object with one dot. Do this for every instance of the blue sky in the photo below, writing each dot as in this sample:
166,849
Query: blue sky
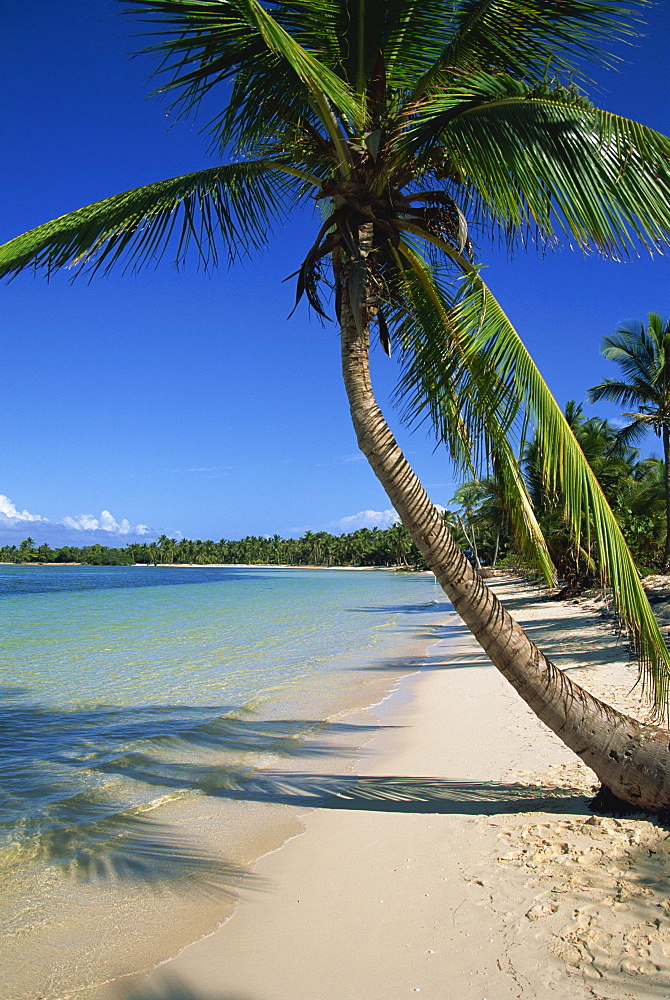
189,404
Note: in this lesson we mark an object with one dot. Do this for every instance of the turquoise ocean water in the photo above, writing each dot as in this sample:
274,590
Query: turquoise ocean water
125,687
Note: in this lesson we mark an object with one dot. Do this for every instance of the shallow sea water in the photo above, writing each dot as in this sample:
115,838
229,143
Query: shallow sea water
153,721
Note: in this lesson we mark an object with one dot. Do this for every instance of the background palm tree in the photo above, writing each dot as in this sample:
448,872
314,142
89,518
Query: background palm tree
643,355
469,497
641,511
26,550
490,519
413,124
613,464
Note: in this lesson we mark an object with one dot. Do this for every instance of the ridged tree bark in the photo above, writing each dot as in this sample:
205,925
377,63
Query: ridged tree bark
631,759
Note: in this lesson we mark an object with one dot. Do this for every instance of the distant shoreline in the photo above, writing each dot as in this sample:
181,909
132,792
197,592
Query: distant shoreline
386,569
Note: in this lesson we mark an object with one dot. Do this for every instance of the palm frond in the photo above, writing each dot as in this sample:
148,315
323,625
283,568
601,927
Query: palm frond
641,352
204,42
633,433
267,104
348,35
526,38
643,356
614,391
319,78
467,405
543,160
653,420
566,468
229,208
353,32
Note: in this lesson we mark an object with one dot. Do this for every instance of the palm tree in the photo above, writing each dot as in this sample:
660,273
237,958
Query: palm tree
612,463
469,497
166,547
640,510
489,516
26,550
399,546
413,124
643,355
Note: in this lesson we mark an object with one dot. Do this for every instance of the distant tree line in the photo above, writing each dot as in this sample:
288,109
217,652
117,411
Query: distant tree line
364,547
635,489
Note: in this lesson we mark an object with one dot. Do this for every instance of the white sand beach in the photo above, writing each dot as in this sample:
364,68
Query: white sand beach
462,863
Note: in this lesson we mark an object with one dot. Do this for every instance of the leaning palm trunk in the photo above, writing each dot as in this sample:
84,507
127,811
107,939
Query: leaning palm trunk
631,759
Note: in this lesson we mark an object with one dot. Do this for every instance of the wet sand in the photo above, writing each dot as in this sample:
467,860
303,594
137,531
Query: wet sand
88,906
460,861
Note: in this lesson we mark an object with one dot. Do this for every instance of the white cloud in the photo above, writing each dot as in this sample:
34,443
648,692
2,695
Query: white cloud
106,522
83,529
8,510
203,468
341,459
619,422
83,522
364,519
209,468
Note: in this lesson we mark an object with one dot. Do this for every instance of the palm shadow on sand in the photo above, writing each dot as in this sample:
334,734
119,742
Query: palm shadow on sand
401,794
175,989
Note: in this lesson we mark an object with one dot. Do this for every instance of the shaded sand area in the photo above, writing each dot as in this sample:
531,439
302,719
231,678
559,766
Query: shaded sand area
460,860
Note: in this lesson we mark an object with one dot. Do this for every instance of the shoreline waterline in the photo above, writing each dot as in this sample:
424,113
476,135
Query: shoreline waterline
194,853
281,827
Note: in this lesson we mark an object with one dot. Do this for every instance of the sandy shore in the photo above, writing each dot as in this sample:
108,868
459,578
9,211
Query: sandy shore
461,862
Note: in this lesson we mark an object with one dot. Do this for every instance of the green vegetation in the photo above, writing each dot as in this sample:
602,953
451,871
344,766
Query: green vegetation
634,489
364,547
643,356
91,555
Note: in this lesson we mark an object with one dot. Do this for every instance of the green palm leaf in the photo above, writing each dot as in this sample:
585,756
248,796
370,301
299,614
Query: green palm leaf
459,392
643,355
623,393
231,205
349,34
204,42
318,77
544,160
566,468
525,38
